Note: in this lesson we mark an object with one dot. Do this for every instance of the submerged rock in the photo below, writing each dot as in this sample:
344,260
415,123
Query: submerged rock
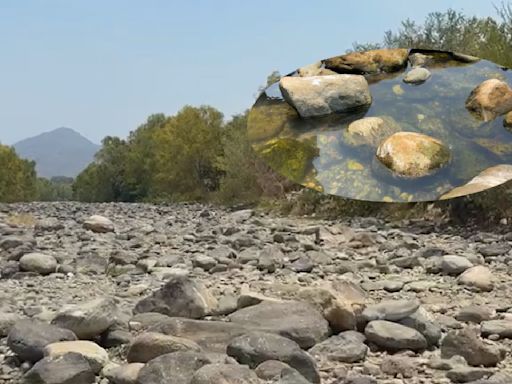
417,76
268,120
413,154
489,178
323,95
490,99
291,158
371,130
369,62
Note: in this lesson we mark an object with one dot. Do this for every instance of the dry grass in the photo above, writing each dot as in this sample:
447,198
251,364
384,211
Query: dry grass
21,220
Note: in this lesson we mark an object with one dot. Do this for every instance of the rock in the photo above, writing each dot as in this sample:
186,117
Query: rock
370,130
507,121
392,310
149,345
455,265
491,250
394,337
270,369
303,264
291,376
489,178
99,224
419,59
412,154
7,321
224,374
204,262
467,344
465,58
359,379
490,99
369,62
424,322
38,263
468,374
475,314
315,70
70,368
479,277
417,76
89,319
254,348
399,365
212,336
172,368
93,353
346,347
28,338
180,296
335,309
115,338
123,374
502,328
298,321
323,95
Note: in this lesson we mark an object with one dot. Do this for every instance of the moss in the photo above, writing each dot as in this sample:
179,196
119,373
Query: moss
268,120
291,158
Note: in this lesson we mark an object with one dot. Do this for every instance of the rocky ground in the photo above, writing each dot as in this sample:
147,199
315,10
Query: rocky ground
193,294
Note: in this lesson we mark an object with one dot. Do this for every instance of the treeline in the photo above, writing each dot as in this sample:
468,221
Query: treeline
191,156
19,181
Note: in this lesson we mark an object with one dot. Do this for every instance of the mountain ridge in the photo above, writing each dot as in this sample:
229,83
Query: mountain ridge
59,152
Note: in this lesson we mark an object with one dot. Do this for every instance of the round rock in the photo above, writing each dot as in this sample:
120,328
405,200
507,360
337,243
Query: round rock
394,337
39,263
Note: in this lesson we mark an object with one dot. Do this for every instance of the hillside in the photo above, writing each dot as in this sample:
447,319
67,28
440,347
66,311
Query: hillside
61,152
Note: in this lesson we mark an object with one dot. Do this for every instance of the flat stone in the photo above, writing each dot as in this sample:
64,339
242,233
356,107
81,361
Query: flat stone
502,328
270,369
475,314
28,338
38,263
149,345
93,353
254,348
392,310
425,323
394,337
455,265
346,347
468,374
123,374
89,319
298,321
323,95
70,368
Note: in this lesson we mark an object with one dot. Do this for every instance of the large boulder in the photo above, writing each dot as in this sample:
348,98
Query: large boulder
295,320
323,95
490,99
347,347
411,154
70,368
255,348
89,319
38,263
370,130
224,374
489,178
172,368
475,350
369,62
180,297
28,338
149,345
479,277
99,224
394,337
92,352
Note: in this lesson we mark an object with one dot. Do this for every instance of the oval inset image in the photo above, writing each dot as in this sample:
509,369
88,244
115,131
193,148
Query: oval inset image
393,125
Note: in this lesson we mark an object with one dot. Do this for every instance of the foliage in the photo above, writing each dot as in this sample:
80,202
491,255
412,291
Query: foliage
55,189
17,177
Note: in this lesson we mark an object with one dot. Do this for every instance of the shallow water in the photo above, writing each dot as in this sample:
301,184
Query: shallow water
435,108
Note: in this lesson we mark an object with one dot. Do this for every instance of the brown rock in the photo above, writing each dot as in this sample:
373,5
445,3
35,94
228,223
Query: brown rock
371,130
371,62
490,99
411,154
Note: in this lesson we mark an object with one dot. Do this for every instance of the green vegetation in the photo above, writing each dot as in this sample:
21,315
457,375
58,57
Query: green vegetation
17,177
55,189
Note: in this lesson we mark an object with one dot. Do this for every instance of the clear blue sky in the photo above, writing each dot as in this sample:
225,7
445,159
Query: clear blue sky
102,66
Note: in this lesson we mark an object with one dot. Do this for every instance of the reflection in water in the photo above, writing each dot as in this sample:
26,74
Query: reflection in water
323,153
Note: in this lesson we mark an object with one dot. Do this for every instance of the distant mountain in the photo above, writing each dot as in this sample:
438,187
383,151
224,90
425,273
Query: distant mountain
61,152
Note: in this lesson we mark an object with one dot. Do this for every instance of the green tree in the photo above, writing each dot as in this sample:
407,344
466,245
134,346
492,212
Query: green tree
17,177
